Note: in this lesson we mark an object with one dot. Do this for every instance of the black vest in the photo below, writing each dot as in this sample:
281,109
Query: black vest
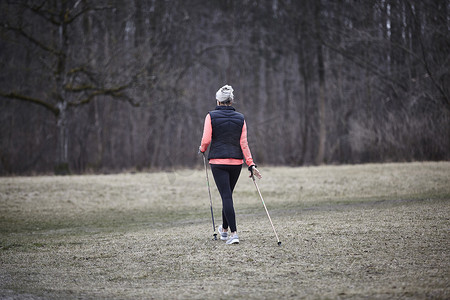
227,126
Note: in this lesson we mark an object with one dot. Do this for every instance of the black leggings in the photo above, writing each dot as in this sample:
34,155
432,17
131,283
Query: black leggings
226,177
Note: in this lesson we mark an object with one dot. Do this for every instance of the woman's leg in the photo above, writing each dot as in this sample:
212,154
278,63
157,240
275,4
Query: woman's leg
224,221
226,177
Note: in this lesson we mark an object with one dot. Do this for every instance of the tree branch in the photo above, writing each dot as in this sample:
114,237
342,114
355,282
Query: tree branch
197,56
31,39
84,10
85,71
38,10
424,60
113,92
77,89
364,64
16,96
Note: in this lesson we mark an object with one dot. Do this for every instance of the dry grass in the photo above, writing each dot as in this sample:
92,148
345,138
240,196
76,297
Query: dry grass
365,231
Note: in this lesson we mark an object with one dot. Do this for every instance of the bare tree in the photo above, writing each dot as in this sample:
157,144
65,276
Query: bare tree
318,81
74,81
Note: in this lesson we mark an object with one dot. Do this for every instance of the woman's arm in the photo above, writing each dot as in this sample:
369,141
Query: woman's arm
207,134
244,146
247,153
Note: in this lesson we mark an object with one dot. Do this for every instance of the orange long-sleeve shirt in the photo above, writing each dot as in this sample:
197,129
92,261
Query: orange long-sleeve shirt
206,140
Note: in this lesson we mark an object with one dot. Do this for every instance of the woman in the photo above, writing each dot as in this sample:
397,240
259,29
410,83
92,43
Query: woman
225,129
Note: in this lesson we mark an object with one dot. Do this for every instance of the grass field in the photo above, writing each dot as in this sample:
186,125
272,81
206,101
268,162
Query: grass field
373,231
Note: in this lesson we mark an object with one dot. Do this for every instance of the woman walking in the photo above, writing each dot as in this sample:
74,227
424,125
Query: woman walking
225,129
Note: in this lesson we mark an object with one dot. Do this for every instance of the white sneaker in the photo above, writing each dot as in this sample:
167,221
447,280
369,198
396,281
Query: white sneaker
233,240
223,235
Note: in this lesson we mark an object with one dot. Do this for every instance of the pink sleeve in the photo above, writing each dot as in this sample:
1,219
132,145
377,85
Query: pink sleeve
207,134
244,146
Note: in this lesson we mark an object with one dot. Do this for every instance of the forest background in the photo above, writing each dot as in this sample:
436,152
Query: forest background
114,85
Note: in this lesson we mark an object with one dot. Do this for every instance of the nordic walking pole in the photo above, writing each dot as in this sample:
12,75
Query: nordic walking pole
262,200
210,199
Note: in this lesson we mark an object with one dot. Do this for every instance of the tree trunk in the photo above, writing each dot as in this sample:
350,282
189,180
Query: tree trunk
304,113
62,166
99,134
321,97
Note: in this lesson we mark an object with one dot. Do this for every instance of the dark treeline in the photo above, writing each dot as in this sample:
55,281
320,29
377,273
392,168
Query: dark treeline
111,85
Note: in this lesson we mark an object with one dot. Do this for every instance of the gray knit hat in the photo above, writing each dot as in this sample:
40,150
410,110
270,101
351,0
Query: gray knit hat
225,93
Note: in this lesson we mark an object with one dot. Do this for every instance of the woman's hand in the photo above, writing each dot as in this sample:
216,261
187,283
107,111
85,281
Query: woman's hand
255,172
